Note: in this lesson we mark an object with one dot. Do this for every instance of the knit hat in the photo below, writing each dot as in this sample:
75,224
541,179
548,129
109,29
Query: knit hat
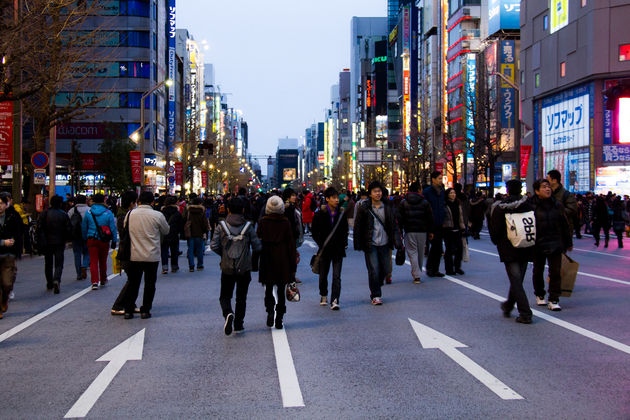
274,205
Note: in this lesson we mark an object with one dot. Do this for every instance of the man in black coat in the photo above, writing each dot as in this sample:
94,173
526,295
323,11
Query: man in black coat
54,232
434,194
416,221
515,259
324,221
10,248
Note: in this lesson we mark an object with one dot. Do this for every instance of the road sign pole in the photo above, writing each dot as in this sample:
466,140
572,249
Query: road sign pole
53,162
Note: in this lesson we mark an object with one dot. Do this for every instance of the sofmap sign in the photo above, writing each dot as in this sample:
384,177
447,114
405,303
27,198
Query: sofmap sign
503,14
171,70
565,125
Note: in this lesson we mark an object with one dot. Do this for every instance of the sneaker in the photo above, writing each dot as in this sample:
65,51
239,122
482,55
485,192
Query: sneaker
506,309
145,315
103,282
191,269
417,281
128,315
227,327
238,328
388,280
540,301
279,325
94,286
117,311
523,319
435,274
174,269
11,295
165,270
377,301
334,306
553,306
200,268
323,301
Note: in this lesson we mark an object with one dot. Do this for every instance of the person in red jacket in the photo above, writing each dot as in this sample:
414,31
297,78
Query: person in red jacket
307,213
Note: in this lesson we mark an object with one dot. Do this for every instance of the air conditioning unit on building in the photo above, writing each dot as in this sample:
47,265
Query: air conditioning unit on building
466,11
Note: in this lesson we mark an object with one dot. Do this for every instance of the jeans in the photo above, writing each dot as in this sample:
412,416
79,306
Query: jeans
98,260
435,252
8,271
516,273
173,248
377,266
228,281
135,270
81,256
53,252
453,252
555,264
196,247
414,244
324,268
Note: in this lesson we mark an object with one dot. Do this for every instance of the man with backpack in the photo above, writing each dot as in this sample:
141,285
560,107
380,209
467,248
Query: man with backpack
99,230
79,246
233,241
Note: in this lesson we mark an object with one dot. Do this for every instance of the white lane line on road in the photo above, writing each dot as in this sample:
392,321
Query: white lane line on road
595,276
20,327
601,253
310,243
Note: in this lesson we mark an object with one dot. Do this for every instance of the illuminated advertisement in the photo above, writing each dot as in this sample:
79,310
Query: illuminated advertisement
503,14
615,153
381,126
624,120
172,71
613,178
471,81
289,174
559,14
574,166
406,31
565,124
507,92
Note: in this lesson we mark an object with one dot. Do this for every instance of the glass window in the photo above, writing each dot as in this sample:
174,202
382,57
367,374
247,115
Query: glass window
134,39
583,3
132,100
545,22
537,80
135,8
563,69
135,69
624,52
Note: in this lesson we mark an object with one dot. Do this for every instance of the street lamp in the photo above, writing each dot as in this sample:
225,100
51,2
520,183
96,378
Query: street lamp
517,122
138,135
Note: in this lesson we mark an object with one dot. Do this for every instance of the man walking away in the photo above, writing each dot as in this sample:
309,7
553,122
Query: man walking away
232,243
434,194
10,247
79,246
324,221
55,230
146,226
515,259
171,241
99,228
564,197
553,237
416,221
195,228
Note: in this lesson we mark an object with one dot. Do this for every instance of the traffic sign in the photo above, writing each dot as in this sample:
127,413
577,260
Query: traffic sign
171,179
39,160
171,169
39,176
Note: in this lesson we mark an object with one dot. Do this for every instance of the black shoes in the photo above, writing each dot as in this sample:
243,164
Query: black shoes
460,271
507,310
278,323
523,319
56,287
435,274
270,319
227,327
128,315
145,315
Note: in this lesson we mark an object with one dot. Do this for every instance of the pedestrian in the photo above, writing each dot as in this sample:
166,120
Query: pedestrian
619,219
567,199
170,243
553,238
278,258
514,259
54,227
99,230
416,221
601,220
127,203
195,230
11,228
308,211
376,234
146,226
233,242
330,233
477,212
434,194
79,245
453,230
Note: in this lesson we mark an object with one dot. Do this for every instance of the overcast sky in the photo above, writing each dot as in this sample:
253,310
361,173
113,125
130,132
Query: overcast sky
277,58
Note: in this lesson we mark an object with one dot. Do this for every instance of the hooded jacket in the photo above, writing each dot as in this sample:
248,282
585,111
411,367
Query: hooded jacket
416,214
278,258
498,228
235,224
553,232
103,216
196,223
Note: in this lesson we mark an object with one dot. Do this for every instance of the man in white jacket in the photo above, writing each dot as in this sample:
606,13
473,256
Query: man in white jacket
146,228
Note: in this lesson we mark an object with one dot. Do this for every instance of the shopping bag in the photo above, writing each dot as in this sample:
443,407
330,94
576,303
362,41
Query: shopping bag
568,274
292,292
400,256
115,261
465,254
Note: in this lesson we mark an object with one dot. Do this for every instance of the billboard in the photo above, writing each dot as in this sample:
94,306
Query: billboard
6,133
172,70
565,124
503,15
508,96
289,174
559,14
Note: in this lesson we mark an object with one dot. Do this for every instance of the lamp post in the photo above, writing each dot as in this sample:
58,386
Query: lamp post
517,123
138,135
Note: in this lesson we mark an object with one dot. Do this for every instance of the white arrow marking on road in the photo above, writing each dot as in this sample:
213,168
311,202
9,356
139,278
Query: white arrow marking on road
130,349
432,339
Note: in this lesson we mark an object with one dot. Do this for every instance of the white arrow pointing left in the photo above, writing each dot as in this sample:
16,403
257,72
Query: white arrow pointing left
130,349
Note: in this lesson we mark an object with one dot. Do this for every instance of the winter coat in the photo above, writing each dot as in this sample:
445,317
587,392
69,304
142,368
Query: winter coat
146,228
278,254
175,222
196,223
438,204
307,213
477,209
295,218
619,217
498,228
364,227
449,223
321,228
235,224
553,232
569,202
12,228
103,216
415,214
55,227
601,216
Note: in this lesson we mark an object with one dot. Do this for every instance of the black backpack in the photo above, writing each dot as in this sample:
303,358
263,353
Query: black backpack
75,224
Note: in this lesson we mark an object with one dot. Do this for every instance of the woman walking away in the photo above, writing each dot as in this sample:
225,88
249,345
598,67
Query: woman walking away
453,228
277,258
619,219
601,220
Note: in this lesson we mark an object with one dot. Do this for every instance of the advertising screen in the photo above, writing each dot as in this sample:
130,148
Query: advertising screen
624,120
503,14
565,125
559,14
289,174
613,178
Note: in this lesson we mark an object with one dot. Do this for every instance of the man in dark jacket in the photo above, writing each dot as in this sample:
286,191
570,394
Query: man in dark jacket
434,194
416,221
10,246
376,233
170,243
55,232
553,237
324,221
567,199
515,259
195,228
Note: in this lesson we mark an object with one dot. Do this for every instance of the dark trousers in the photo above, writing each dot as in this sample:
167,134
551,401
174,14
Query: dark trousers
453,253
475,228
135,270
8,271
516,273
595,229
555,261
377,267
172,247
324,268
270,301
435,252
228,281
120,300
53,252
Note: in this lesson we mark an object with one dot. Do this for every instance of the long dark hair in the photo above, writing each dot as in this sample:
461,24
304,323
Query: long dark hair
448,191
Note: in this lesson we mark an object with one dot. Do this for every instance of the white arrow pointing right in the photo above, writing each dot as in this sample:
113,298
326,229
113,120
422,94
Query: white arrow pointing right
432,339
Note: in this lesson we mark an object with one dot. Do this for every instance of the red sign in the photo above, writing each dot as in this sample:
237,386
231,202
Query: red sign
439,166
526,152
6,133
39,203
204,179
179,173
136,166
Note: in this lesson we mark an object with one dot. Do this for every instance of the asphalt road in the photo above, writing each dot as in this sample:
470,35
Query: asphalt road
359,362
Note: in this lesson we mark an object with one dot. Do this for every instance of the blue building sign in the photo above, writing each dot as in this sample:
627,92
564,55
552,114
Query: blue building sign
172,63
503,14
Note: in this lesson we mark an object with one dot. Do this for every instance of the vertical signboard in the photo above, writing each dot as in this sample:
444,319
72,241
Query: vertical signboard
136,166
179,173
406,48
507,92
6,133
559,14
204,179
172,63
471,83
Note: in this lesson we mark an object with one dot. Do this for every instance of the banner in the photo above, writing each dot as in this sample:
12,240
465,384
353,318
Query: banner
6,133
136,166
204,179
179,173
526,152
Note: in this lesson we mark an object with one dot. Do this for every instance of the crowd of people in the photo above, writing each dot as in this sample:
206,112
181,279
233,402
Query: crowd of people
263,233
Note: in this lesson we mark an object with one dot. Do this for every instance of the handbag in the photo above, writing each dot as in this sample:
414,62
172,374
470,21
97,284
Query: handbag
465,253
124,247
292,292
400,256
315,259
104,232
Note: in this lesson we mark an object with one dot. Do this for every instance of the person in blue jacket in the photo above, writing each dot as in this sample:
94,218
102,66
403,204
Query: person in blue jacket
99,230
